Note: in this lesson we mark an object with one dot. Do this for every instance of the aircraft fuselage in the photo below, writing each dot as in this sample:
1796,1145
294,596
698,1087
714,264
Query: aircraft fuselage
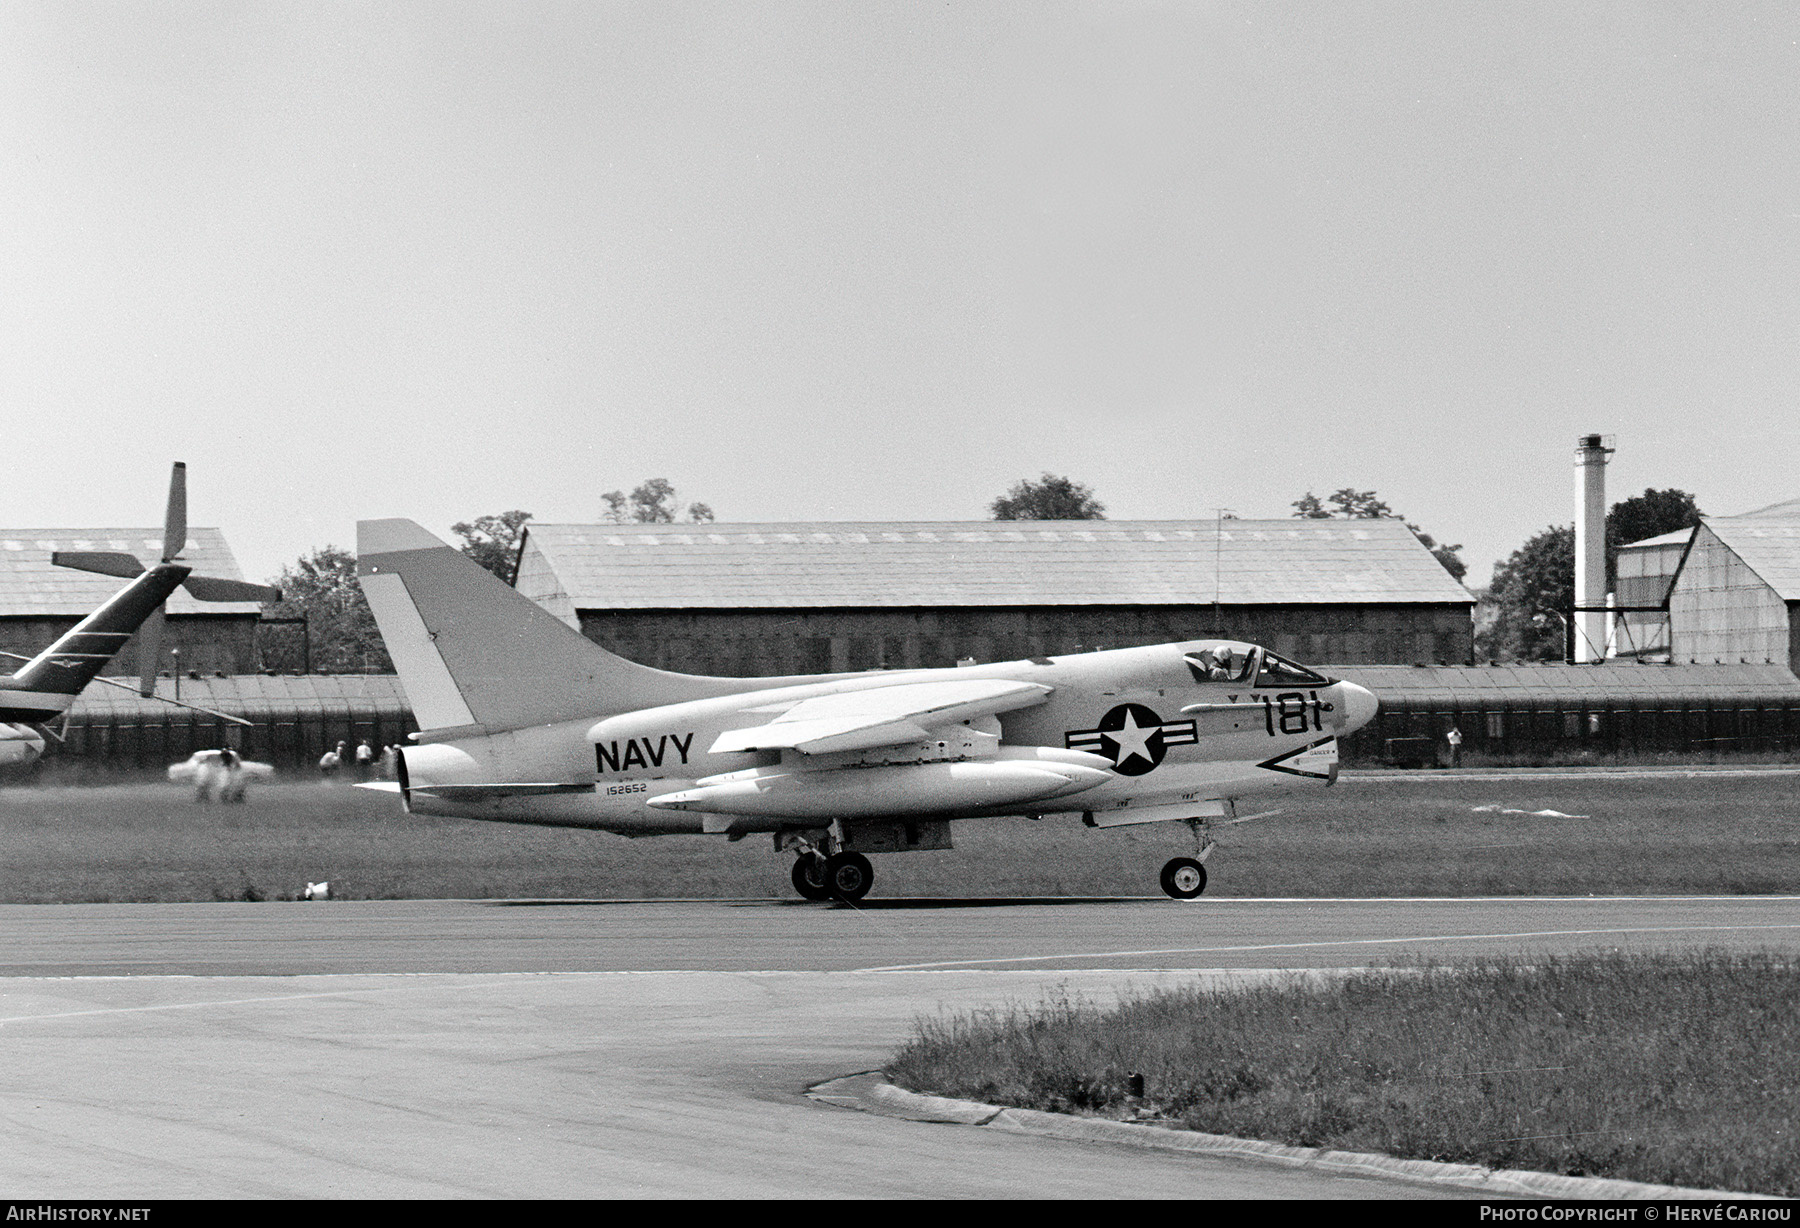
1112,730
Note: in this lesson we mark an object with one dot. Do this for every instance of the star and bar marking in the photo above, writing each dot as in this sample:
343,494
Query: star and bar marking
1134,737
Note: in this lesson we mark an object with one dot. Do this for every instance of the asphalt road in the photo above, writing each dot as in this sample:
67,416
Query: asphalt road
592,1049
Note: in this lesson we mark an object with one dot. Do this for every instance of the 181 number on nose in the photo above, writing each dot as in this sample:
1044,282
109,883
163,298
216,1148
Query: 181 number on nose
1291,711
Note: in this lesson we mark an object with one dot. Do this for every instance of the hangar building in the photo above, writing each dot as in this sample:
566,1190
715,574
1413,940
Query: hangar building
1730,585
39,600
747,600
1536,712
295,719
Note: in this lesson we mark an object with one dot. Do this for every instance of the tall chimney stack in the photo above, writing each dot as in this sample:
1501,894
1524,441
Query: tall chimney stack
1590,548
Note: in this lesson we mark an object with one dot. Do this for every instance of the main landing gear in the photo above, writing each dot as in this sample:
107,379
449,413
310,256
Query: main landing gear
809,877
841,876
1184,878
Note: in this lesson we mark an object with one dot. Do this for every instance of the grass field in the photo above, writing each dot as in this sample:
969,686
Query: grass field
1678,1069
1436,835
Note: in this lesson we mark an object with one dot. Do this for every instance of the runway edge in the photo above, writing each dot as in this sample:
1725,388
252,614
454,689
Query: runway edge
869,1092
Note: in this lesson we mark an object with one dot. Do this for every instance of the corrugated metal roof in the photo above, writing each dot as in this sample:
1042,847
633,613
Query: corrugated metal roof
30,585
1787,510
1607,683
989,563
1768,545
253,696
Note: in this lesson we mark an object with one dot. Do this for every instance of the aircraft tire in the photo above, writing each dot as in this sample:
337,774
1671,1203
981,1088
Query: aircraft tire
848,876
1183,878
809,877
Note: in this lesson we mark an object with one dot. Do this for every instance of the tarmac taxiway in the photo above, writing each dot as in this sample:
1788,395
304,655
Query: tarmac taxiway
611,1049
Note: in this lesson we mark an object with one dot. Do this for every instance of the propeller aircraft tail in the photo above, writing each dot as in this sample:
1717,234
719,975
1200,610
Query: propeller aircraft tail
44,688
204,588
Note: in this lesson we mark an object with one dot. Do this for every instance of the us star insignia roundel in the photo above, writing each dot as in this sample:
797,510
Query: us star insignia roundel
1134,737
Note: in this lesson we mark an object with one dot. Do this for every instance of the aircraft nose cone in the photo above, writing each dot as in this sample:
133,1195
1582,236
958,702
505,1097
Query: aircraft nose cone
1358,705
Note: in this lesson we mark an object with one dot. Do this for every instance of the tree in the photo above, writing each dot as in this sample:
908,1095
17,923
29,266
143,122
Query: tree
1350,505
1530,600
341,631
1449,556
653,502
1048,498
1650,514
493,541
1363,505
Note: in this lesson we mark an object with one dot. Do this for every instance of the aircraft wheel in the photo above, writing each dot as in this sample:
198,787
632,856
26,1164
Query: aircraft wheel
1184,878
809,877
848,876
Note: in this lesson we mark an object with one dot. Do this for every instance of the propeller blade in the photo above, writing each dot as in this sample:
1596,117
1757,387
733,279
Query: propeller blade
175,522
206,588
106,562
149,650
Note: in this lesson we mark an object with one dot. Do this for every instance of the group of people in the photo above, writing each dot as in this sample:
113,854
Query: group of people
220,777
363,760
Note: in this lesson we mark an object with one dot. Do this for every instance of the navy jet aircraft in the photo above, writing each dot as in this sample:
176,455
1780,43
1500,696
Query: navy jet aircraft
524,720
37,697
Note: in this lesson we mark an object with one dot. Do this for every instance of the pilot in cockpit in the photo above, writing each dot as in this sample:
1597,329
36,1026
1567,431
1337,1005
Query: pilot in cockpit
1220,666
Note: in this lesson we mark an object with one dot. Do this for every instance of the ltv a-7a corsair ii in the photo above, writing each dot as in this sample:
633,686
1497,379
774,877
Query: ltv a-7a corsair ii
524,720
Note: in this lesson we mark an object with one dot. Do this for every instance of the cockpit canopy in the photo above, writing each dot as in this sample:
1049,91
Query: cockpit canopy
1224,663
1240,663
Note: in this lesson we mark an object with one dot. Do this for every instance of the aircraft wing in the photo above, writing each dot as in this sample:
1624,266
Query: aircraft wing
881,716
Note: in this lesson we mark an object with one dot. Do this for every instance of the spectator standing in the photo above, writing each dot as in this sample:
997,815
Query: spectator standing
233,784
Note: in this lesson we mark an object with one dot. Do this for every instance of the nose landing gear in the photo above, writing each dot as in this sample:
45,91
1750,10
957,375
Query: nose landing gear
1184,878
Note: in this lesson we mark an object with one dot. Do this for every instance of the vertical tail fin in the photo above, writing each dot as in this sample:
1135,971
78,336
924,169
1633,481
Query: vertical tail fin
476,655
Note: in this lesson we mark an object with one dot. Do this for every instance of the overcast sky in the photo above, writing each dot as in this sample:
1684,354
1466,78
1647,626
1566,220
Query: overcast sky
864,261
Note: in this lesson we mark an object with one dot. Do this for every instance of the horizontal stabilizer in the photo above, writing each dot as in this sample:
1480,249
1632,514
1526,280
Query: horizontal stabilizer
105,562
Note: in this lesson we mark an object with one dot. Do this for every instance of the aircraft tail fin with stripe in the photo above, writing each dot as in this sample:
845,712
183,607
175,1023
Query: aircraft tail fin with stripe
43,689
